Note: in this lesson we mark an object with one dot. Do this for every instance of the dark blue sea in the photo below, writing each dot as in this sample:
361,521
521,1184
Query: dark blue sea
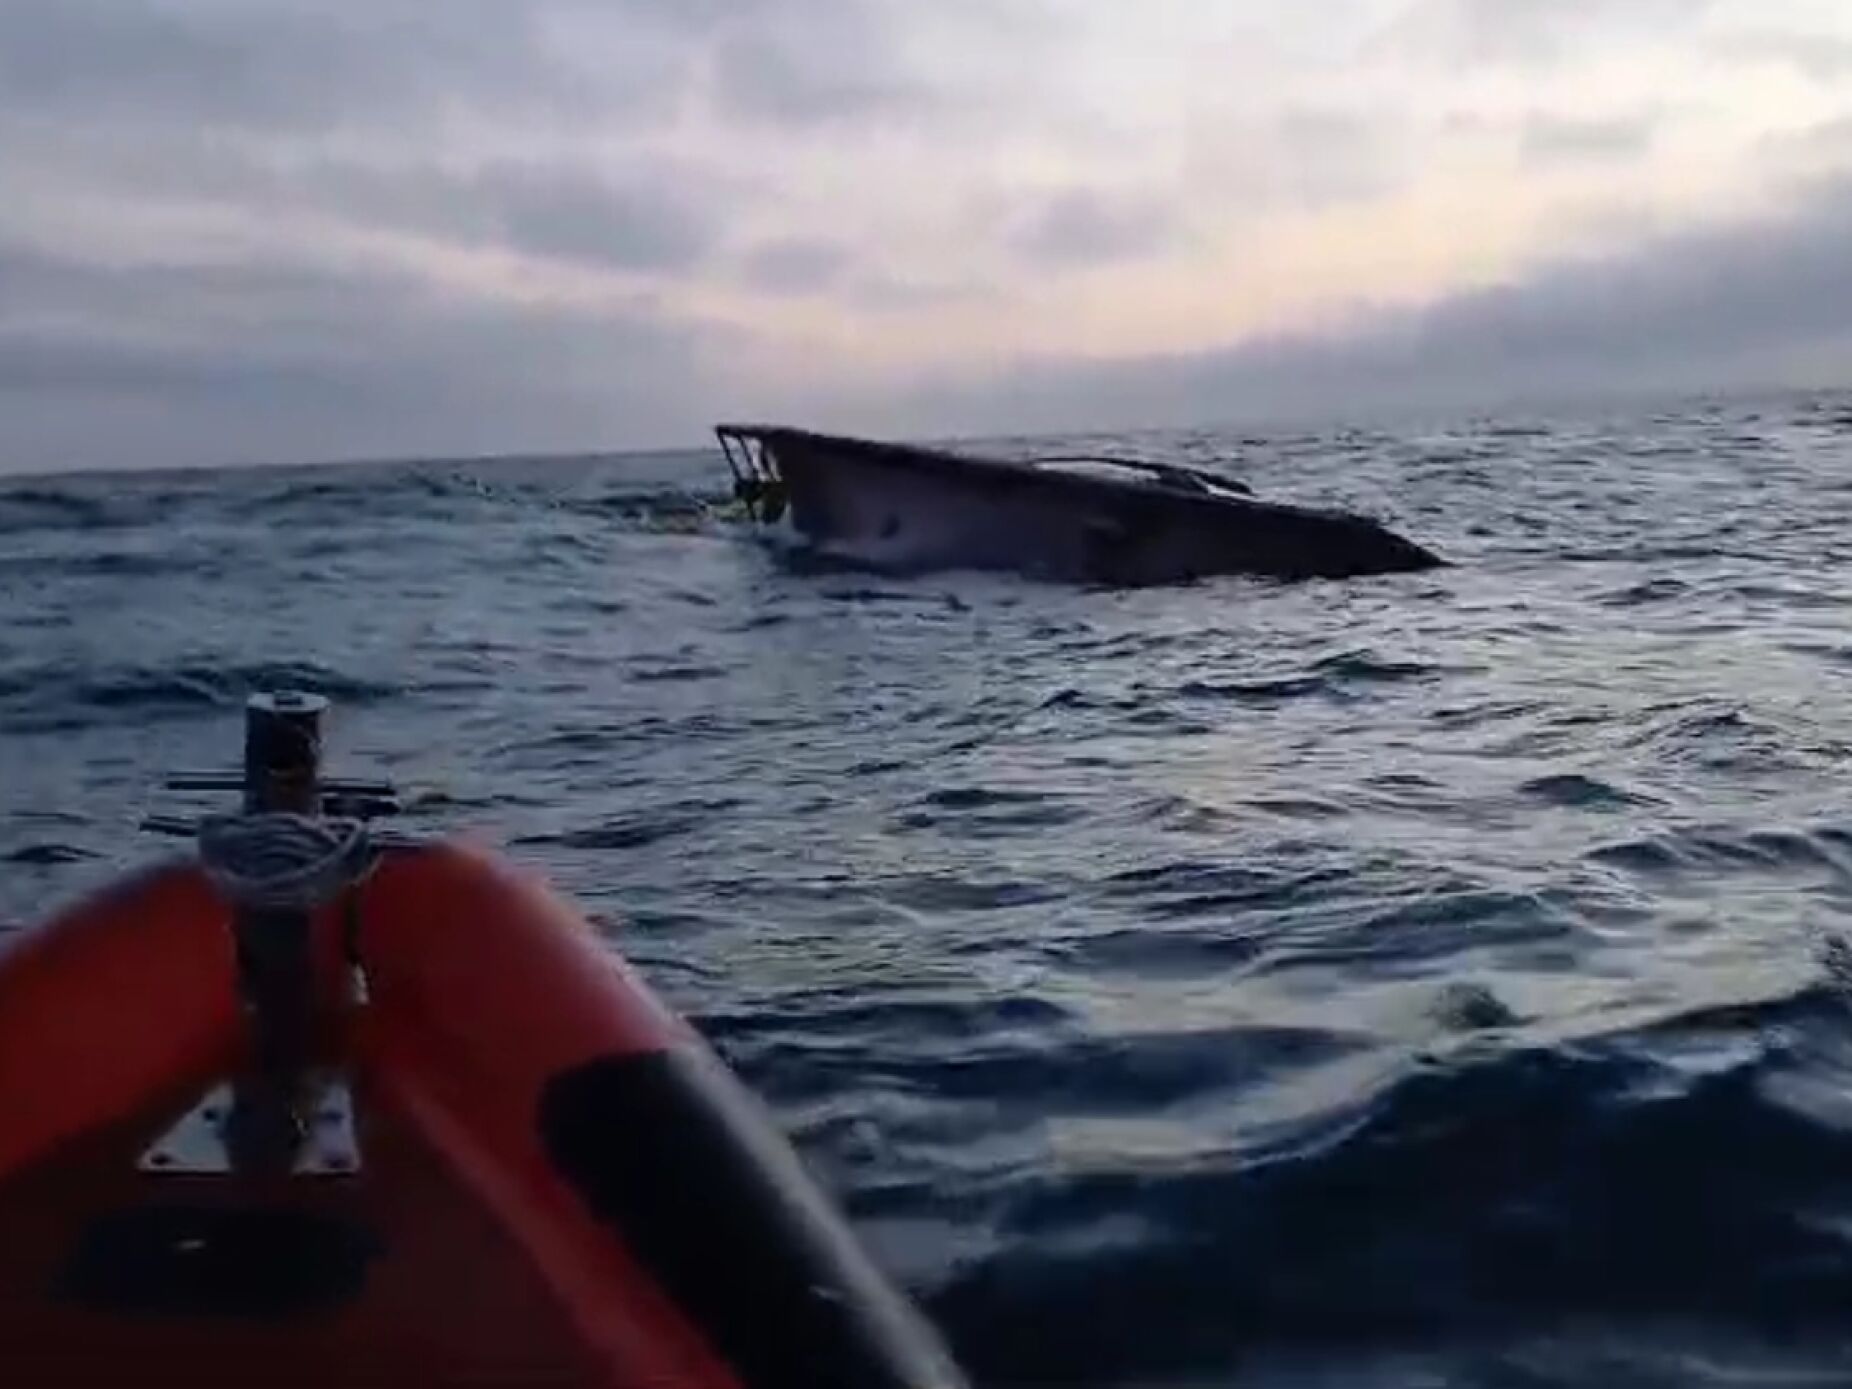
1435,980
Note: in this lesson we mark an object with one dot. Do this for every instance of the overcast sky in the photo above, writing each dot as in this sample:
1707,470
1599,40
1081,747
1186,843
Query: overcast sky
276,229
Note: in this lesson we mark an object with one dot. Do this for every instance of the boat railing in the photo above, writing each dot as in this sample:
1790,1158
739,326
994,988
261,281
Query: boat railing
757,482
748,458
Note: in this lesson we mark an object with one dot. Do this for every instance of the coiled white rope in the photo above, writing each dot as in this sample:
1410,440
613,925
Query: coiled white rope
278,861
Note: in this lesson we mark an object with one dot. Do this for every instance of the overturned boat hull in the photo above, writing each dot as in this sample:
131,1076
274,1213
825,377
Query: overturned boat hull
906,508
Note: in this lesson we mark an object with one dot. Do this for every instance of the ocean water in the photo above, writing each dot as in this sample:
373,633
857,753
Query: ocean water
1430,980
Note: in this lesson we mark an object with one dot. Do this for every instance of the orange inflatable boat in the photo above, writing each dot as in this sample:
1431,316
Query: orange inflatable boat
319,1111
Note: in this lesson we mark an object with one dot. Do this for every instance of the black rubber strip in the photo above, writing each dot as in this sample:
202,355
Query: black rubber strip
672,1153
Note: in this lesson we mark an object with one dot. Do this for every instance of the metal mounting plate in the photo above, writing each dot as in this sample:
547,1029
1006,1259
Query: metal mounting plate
195,1143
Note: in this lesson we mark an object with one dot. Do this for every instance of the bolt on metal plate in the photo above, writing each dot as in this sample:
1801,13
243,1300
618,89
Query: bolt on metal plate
195,1144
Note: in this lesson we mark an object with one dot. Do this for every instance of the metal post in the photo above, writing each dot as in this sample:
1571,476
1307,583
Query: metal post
282,766
283,752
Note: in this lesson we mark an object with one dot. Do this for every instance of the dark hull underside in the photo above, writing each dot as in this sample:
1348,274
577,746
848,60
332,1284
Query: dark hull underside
904,508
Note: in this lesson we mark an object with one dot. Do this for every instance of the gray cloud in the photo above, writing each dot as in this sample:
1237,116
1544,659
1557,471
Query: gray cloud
1322,130
636,214
1554,139
1694,300
149,304
819,64
1825,58
1768,301
179,133
218,363
764,76
293,108
797,265
1525,33
564,213
226,362
1548,137
1826,146
1082,226
828,66
1331,156
884,292
264,113
289,64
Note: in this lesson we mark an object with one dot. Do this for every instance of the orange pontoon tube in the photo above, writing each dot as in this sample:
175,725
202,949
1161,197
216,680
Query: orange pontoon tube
405,1122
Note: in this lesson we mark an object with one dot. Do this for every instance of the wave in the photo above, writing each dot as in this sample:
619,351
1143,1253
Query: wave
1578,791
79,505
47,853
62,699
1818,853
656,508
638,829
1669,1175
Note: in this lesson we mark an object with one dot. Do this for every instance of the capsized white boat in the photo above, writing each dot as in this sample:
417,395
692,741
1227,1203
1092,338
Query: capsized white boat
1101,520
